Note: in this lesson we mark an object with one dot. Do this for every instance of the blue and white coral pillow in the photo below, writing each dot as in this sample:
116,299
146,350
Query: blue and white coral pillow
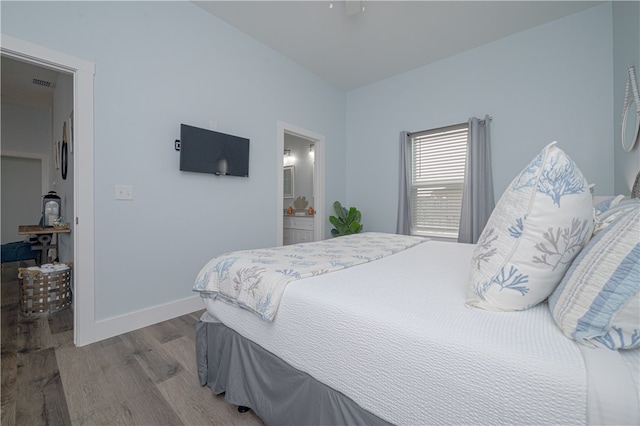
602,212
539,225
598,301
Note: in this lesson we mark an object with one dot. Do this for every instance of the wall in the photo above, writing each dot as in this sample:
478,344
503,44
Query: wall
21,189
552,82
62,108
626,52
159,64
24,130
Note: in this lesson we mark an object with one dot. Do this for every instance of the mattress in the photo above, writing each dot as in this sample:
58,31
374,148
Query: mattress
395,336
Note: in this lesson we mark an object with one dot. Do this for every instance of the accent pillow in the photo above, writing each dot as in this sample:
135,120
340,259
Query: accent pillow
606,203
602,213
598,301
539,225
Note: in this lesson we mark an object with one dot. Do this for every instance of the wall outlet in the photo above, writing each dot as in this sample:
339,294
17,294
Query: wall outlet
124,192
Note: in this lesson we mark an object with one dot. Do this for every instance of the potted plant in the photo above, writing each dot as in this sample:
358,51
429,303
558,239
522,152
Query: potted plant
346,222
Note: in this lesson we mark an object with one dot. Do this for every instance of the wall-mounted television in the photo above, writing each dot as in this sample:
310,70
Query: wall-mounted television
207,151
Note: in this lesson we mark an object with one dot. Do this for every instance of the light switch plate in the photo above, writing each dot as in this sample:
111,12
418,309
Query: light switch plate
124,192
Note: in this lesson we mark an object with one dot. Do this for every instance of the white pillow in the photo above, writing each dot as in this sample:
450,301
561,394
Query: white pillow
598,301
539,225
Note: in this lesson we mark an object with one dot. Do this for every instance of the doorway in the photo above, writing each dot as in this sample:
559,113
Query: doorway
80,215
304,160
37,103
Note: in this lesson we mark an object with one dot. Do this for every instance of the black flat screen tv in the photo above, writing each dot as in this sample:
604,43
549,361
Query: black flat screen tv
207,151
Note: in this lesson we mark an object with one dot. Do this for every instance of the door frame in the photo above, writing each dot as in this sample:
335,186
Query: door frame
83,71
318,178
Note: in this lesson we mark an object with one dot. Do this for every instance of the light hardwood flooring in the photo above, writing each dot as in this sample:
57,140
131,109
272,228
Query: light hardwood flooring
145,377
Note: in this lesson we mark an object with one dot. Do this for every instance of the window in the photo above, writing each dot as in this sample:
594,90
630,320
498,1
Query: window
438,159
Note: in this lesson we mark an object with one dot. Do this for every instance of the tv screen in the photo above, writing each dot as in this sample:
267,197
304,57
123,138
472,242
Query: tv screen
207,151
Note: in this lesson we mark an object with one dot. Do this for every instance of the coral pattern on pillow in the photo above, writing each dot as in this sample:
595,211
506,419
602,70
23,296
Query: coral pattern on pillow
539,225
598,301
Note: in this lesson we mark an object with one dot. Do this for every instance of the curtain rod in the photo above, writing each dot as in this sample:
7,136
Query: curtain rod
444,127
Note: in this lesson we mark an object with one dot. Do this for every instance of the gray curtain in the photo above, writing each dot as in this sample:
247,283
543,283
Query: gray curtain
477,197
403,225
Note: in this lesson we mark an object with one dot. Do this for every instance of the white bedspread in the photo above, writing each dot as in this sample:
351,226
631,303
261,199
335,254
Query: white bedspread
395,336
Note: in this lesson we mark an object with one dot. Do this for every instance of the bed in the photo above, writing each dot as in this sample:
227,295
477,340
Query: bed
393,337
389,339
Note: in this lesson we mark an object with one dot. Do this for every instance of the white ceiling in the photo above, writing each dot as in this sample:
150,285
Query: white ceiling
388,37
350,51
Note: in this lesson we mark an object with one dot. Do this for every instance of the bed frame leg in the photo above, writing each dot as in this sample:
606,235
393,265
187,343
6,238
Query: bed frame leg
243,409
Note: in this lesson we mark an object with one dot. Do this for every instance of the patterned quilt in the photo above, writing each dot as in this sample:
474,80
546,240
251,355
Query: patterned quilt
256,279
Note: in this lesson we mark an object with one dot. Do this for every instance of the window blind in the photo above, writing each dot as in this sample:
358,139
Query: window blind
438,168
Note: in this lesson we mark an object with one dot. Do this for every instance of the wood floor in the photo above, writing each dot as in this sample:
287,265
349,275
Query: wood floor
146,377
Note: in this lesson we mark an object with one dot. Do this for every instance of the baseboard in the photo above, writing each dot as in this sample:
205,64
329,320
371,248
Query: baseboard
115,326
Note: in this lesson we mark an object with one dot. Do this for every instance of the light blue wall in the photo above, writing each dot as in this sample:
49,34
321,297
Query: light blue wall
626,52
552,82
159,64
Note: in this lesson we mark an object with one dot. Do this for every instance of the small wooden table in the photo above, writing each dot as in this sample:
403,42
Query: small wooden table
45,235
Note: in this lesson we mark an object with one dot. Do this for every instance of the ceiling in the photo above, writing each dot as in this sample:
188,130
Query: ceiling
352,48
343,44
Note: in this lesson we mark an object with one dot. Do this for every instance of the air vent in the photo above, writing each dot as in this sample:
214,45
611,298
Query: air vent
43,83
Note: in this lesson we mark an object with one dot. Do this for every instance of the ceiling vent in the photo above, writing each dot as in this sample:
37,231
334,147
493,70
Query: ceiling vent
43,83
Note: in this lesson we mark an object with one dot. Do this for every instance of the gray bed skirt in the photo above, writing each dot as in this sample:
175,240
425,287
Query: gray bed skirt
279,394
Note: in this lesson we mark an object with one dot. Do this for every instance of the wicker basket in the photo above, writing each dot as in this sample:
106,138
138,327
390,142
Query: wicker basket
46,289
